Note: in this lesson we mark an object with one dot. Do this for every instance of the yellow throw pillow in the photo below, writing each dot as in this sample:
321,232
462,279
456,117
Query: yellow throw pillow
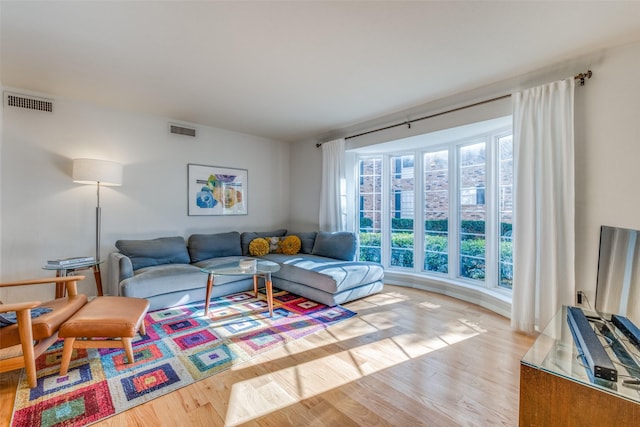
290,245
259,247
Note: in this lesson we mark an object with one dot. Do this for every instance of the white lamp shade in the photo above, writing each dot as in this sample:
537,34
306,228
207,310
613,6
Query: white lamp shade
91,171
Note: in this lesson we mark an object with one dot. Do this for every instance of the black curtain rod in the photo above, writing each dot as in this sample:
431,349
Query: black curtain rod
581,77
408,123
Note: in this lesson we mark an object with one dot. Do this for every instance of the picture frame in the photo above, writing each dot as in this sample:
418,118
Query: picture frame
216,190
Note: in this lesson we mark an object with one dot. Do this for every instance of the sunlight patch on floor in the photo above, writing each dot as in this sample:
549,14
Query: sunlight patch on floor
429,305
381,320
415,345
256,397
259,396
473,325
383,299
460,331
353,328
456,337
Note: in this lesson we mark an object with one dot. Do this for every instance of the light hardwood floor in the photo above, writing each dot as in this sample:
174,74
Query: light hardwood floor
409,358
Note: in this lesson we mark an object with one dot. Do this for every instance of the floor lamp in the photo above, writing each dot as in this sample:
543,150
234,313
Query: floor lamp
99,172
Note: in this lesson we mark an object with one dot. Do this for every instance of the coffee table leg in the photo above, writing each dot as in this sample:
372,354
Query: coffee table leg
209,286
269,285
255,285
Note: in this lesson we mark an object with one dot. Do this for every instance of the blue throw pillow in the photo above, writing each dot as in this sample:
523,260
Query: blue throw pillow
307,238
340,245
163,250
205,246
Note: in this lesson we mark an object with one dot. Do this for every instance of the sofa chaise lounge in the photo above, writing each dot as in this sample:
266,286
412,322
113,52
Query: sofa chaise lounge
167,270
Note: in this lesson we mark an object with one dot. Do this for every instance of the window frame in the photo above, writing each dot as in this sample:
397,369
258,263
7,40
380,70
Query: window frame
491,202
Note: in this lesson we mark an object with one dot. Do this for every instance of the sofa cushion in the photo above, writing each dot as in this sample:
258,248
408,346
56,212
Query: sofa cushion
326,274
340,245
47,324
163,250
156,280
10,318
248,236
205,246
307,239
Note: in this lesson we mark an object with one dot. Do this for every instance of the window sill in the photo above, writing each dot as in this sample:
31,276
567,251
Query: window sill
497,301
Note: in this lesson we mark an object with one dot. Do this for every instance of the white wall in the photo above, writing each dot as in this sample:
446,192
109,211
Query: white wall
45,215
607,156
306,178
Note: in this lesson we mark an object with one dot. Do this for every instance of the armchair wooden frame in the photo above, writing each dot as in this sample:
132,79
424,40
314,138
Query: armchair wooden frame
24,354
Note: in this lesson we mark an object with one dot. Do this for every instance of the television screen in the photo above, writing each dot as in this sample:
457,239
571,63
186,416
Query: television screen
618,282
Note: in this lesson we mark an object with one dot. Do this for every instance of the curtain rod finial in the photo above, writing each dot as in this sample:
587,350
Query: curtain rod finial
583,76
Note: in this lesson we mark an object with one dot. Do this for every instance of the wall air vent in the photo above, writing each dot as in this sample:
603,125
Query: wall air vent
181,130
28,102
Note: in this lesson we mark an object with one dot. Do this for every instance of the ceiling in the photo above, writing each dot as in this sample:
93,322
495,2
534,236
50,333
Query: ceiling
292,71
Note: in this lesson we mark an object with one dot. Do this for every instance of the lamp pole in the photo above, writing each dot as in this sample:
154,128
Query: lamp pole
98,225
101,173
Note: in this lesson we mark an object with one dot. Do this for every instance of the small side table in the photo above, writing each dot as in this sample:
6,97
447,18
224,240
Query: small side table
66,270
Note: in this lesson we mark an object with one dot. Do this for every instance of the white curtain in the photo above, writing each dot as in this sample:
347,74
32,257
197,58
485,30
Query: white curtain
544,210
333,197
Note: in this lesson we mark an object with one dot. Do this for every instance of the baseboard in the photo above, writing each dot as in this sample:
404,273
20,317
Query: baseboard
491,300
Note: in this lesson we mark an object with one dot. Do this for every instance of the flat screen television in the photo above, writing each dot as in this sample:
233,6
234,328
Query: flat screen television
618,281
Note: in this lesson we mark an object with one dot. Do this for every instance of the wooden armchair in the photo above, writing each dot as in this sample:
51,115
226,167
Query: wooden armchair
23,342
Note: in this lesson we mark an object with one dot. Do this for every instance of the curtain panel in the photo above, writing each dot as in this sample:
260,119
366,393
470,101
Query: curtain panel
544,209
333,193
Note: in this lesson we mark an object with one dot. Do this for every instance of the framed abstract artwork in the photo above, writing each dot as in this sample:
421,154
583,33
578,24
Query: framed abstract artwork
215,190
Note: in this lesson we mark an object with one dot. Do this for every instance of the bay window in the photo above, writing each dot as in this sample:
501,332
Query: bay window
442,209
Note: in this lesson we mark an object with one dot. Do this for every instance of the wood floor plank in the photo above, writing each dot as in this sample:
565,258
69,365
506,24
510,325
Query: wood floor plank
8,386
410,358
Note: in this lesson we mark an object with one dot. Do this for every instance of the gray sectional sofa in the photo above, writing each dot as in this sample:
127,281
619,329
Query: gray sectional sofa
167,270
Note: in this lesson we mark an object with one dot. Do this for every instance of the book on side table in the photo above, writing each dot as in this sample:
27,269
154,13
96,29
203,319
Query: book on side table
70,262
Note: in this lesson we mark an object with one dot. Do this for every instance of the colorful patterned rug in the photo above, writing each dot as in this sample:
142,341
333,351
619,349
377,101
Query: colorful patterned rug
181,346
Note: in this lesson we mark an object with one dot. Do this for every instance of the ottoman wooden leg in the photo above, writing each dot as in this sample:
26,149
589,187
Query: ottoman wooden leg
66,355
126,343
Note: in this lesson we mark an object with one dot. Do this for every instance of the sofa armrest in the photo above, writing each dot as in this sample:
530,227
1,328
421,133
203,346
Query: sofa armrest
120,268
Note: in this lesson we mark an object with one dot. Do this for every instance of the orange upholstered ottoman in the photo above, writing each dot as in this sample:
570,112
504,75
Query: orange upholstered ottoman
113,319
